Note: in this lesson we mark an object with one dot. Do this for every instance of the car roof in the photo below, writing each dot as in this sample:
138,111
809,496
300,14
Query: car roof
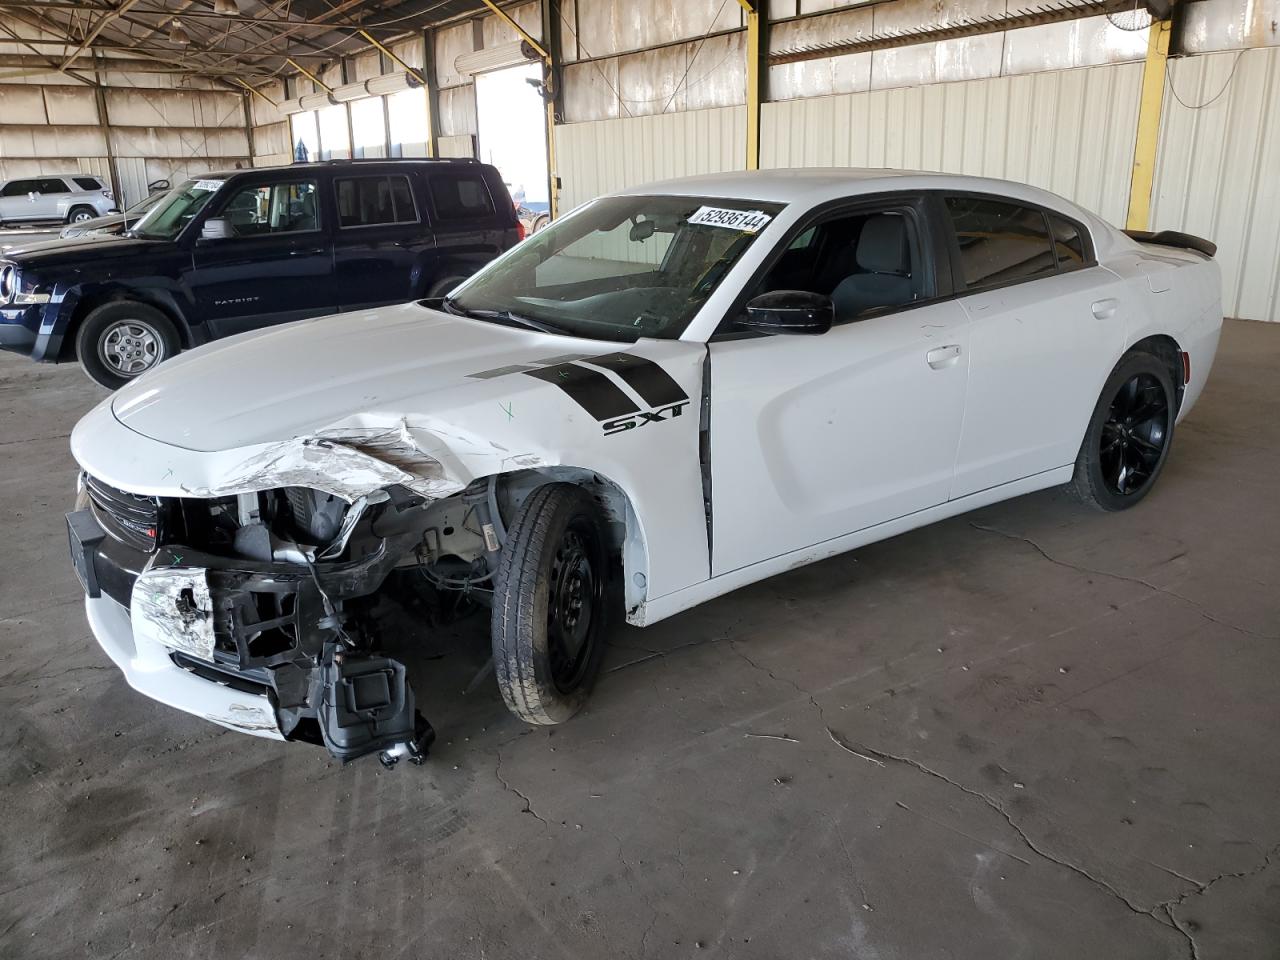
394,162
809,186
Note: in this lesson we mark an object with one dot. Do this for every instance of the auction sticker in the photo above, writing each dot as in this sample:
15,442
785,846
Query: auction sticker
748,221
210,185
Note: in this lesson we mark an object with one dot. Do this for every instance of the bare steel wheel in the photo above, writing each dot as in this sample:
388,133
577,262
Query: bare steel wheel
130,347
123,339
549,604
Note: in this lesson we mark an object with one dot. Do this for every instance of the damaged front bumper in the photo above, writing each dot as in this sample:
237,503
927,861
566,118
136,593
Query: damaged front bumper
257,647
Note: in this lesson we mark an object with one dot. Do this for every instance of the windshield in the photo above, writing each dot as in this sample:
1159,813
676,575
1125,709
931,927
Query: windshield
174,210
620,269
145,204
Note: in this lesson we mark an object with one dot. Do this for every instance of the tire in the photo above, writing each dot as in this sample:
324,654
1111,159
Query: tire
540,222
545,655
121,340
80,214
442,287
1129,435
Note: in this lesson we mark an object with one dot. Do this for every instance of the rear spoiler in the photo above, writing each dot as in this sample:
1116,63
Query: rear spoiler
1172,238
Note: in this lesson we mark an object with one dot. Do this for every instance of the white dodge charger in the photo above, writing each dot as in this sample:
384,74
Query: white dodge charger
670,393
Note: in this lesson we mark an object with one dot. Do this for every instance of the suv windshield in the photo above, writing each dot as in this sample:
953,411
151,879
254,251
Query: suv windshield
175,209
619,269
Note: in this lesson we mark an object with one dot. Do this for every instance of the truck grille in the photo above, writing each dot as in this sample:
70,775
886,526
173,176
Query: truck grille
128,517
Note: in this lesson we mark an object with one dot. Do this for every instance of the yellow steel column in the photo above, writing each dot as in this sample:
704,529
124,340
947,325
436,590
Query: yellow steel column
1144,148
754,52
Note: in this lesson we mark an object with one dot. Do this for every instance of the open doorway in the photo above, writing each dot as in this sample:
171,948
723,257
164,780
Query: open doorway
512,125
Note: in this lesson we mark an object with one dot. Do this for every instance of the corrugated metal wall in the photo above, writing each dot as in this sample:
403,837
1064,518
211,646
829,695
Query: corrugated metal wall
604,155
1037,128
1218,170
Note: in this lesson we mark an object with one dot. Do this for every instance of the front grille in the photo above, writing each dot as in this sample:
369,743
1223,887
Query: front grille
128,517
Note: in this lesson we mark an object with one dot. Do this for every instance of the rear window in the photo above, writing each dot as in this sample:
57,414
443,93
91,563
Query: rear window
88,183
1000,242
1067,243
367,201
460,196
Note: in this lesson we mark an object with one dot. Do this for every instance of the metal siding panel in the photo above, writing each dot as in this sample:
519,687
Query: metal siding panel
1215,170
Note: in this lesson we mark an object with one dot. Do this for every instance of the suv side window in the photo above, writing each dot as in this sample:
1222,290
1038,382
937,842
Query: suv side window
18,188
270,208
1000,242
88,183
460,196
52,185
368,201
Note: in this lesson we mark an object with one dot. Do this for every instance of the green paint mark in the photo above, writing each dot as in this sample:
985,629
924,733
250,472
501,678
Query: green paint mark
507,410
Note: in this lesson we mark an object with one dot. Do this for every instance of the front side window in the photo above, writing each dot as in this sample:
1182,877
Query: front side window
175,209
52,185
460,196
269,208
367,201
620,269
1000,242
866,260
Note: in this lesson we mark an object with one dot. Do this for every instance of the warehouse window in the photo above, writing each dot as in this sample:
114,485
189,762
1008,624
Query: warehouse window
1000,242
369,128
460,196
335,135
366,201
408,122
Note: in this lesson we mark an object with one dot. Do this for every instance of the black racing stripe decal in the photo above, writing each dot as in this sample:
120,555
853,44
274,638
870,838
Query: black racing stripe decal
656,387
499,371
590,389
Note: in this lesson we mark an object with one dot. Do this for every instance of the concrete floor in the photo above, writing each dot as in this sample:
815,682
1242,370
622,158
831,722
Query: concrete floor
1034,731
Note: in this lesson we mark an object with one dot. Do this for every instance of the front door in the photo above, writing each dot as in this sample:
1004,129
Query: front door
814,437
273,262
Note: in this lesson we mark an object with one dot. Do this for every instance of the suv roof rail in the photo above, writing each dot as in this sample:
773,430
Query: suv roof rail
344,160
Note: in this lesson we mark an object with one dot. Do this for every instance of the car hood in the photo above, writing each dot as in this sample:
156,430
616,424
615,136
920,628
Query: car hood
74,251
295,380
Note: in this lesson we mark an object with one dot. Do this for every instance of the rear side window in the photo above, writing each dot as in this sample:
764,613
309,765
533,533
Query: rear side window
368,201
461,196
88,183
52,185
18,188
1000,242
1067,243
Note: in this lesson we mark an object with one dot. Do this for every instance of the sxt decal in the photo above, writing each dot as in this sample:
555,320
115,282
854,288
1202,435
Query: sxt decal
643,418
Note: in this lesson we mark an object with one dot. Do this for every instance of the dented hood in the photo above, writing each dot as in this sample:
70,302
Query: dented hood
295,379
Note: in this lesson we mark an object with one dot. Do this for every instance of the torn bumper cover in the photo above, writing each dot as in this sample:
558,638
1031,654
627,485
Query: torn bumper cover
253,646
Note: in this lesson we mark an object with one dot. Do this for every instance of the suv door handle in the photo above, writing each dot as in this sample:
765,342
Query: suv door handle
1102,309
940,357
306,251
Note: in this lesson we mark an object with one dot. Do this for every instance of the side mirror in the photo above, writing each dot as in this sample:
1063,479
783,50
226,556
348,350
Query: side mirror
216,228
789,311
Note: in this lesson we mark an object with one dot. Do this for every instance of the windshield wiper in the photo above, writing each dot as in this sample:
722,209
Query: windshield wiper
514,319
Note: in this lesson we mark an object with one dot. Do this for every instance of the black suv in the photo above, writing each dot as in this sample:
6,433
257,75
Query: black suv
236,251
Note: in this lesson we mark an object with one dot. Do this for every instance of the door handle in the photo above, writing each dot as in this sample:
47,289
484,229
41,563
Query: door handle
1102,309
306,252
940,357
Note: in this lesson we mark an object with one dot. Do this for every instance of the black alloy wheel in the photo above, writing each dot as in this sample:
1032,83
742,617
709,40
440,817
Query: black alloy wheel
1135,434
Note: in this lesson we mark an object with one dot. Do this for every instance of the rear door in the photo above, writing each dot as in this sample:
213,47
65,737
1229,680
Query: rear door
383,250
1047,327
52,194
275,263
470,228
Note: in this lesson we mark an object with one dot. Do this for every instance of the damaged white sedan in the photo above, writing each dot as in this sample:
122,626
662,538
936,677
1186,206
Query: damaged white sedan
668,394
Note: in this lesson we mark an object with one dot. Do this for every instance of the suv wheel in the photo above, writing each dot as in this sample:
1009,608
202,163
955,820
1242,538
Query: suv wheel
81,214
122,340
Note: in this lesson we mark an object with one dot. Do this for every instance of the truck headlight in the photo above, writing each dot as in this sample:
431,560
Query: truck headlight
8,282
